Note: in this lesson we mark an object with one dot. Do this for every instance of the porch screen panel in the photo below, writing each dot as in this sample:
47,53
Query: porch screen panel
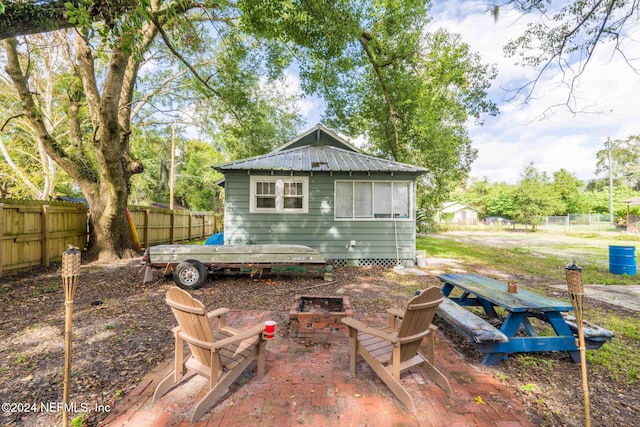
401,200
383,202
362,194
344,200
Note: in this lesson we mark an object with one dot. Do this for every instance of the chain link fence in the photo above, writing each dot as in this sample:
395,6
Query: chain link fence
599,222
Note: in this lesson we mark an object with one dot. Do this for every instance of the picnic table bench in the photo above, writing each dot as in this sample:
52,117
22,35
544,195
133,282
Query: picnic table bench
516,333
475,328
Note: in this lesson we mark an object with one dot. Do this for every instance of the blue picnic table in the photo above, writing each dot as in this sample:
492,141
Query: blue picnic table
520,308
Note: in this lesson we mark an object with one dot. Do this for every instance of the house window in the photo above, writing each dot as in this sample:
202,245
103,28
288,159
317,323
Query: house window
265,195
279,194
372,200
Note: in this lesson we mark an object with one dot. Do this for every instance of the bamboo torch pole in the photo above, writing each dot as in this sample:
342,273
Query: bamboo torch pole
576,291
70,274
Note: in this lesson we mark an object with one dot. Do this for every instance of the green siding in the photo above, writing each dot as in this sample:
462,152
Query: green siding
375,239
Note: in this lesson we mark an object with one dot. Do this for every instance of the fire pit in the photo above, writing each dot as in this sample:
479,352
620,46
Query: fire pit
316,315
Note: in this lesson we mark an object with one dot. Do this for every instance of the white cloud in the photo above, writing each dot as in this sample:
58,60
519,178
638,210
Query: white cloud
310,107
608,90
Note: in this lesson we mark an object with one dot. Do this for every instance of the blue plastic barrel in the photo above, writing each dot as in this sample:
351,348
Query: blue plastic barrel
622,260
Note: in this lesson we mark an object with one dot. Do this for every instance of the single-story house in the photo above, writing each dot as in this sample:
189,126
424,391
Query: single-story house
458,213
320,191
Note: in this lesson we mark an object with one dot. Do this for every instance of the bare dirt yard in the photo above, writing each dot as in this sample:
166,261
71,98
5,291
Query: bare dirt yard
121,331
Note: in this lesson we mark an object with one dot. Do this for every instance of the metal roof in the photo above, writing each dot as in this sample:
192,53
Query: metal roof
452,207
314,158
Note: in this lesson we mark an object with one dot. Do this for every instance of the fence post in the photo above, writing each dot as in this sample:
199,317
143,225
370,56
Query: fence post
45,235
172,231
146,227
190,219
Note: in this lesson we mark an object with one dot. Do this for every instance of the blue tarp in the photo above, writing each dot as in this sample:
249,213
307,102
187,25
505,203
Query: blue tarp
215,239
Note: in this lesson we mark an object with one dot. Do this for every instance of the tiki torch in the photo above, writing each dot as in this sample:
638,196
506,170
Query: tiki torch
70,274
576,291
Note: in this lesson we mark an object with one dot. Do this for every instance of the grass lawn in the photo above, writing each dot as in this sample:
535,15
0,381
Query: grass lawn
542,257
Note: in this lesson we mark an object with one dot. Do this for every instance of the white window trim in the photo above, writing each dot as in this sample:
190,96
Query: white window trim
279,194
411,200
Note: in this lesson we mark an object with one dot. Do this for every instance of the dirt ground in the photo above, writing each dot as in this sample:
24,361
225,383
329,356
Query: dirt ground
121,331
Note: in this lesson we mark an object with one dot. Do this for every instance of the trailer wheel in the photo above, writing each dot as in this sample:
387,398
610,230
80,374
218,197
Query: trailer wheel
190,274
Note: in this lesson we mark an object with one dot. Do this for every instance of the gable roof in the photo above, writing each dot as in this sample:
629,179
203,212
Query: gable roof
452,207
323,158
318,135
321,150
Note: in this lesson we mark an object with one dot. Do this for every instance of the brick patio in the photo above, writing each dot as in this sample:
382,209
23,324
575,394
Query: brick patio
307,382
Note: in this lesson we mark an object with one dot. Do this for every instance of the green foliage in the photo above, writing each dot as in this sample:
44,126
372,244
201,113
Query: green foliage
619,357
532,360
383,75
424,221
22,358
625,161
532,198
78,14
536,195
196,178
569,189
530,388
78,421
26,170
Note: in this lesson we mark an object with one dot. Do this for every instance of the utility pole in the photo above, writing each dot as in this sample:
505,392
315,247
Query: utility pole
608,145
172,172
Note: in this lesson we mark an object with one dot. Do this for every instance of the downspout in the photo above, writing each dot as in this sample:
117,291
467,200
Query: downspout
395,232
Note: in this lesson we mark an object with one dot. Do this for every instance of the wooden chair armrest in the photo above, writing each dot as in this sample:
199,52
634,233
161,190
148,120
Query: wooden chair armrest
361,327
217,313
195,341
249,333
395,312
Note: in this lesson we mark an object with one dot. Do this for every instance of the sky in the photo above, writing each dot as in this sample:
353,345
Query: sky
608,93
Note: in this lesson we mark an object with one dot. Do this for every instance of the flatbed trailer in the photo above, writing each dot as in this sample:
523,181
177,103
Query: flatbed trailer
192,264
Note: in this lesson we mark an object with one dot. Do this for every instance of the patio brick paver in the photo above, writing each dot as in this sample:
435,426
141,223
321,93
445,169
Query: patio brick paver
307,382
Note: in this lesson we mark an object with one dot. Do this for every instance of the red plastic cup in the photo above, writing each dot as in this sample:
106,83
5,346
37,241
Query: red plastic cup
269,329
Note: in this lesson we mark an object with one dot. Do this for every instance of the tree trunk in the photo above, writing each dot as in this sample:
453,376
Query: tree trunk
105,185
108,197
108,230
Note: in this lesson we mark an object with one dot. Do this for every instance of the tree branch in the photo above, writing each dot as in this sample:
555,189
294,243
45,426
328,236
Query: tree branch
190,67
35,116
393,145
6,122
22,18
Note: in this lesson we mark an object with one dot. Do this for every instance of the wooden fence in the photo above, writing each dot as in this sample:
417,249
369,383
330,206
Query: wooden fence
158,225
34,233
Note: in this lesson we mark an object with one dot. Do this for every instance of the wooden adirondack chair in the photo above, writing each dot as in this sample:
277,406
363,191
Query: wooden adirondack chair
391,351
220,355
